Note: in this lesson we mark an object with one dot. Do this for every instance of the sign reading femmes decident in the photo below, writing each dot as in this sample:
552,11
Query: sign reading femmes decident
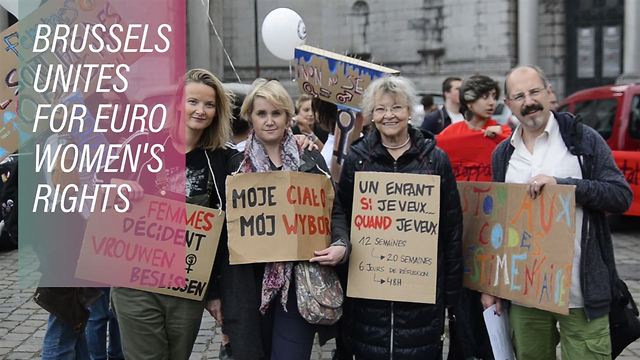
394,233
278,216
152,247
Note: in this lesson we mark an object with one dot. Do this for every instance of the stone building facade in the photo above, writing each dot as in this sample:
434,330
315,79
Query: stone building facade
427,40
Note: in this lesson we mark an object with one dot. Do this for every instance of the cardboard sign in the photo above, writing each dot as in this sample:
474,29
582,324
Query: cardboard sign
278,216
629,164
517,248
333,77
145,248
18,61
470,155
347,130
394,234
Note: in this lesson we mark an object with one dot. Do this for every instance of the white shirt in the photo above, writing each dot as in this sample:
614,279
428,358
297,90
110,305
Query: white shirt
327,150
550,157
457,117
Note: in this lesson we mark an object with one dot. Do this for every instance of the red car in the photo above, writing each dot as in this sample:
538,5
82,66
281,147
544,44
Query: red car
614,111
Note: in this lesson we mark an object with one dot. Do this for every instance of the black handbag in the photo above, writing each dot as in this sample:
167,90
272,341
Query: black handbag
624,324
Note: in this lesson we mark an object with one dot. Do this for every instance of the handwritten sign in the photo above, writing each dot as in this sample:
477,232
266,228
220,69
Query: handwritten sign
394,233
161,246
347,130
19,65
629,164
333,77
518,248
470,155
278,216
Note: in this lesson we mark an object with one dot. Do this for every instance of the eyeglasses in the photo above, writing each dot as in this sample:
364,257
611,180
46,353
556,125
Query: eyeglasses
533,93
381,110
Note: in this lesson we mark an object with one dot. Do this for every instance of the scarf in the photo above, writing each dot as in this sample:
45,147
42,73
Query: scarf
277,275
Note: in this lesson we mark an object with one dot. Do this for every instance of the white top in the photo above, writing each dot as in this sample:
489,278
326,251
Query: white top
327,150
550,157
454,117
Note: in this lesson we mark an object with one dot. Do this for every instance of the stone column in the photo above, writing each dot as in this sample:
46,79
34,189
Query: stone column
631,47
198,36
528,32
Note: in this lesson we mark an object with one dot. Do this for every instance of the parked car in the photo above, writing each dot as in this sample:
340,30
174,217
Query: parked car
613,111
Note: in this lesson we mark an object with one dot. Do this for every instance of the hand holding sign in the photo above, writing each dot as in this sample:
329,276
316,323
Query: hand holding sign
330,256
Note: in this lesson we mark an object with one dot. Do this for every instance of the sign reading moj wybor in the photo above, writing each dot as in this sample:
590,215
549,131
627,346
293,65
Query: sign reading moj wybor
394,234
333,77
278,216
518,248
161,246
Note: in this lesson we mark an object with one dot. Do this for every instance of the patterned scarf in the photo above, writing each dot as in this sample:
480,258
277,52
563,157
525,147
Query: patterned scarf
277,275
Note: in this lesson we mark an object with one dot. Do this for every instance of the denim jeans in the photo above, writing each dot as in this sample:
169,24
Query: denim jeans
101,321
62,343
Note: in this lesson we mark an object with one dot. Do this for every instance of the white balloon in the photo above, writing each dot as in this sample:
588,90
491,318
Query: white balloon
25,8
283,30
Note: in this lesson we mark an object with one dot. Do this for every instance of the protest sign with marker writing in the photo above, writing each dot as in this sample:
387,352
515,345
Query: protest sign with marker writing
394,233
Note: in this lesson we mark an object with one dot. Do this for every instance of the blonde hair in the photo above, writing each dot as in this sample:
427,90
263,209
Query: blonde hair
301,99
397,86
273,92
218,133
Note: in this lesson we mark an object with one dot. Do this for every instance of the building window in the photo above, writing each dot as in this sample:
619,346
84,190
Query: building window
359,28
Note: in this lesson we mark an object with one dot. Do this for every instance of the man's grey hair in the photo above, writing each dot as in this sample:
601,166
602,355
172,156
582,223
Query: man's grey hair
543,77
397,86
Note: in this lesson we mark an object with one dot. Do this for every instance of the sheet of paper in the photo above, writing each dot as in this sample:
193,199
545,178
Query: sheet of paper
498,329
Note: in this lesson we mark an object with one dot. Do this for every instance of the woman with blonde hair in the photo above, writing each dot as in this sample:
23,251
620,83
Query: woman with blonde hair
259,300
157,326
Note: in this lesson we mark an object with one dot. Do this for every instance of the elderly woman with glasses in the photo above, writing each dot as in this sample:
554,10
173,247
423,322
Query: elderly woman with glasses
379,329
478,100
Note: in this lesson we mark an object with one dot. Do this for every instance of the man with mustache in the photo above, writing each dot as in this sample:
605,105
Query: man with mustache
554,148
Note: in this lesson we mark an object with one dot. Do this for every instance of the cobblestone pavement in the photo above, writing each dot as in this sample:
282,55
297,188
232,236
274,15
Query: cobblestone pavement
23,323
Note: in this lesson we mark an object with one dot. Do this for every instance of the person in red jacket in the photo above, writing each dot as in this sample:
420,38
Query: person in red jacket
478,98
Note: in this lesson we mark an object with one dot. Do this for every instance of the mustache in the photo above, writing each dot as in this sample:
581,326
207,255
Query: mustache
530,109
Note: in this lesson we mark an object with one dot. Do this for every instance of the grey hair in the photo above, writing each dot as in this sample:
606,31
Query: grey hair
543,77
398,86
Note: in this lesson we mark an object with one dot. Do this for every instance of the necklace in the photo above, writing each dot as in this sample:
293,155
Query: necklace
397,146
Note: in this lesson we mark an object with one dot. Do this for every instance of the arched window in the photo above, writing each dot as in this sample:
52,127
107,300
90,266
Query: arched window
359,24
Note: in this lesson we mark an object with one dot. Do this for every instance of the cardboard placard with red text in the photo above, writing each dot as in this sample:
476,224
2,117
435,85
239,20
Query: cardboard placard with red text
145,248
629,164
278,216
517,248
394,237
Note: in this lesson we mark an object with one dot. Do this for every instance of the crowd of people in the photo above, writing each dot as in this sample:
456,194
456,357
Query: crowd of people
256,304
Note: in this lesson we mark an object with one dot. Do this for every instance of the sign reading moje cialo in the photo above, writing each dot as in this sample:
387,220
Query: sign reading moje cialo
518,248
394,237
278,216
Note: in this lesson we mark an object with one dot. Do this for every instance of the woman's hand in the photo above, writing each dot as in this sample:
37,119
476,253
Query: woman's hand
488,300
305,143
136,192
492,131
329,256
214,307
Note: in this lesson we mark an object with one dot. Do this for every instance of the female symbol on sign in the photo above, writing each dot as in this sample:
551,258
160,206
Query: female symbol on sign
191,260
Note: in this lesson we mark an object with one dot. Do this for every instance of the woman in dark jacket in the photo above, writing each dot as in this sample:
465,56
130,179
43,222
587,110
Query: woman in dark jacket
161,326
259,300
377,329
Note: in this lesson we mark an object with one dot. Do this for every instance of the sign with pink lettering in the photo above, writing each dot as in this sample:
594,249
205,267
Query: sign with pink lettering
278,216
394,237
161,246
518,248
